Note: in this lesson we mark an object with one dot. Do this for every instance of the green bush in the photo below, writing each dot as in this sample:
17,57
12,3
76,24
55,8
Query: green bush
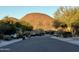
1,36
8,29
24,27
7,37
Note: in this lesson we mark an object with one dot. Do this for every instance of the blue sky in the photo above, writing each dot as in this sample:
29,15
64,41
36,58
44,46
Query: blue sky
20,11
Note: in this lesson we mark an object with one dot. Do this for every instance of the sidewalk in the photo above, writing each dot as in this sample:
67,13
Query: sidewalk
4,43
73,40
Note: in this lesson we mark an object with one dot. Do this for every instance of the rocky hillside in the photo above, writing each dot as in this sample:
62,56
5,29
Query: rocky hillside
38,21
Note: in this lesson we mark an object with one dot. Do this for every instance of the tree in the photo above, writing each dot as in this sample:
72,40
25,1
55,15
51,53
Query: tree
10,25
7,28
58,24
24,26
7,25
9,20
75,27
68,15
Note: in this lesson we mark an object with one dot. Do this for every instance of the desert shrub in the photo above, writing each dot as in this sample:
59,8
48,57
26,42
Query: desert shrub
1,36
67,34
24,27
7,37
7,29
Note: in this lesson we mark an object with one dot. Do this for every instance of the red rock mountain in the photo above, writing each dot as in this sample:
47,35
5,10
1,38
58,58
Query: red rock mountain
39,21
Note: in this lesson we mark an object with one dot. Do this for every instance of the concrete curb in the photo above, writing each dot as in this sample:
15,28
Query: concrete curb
5,43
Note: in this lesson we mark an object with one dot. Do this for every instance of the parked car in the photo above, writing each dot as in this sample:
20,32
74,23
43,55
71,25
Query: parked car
37,33
14,36
51,32
56,34
33,33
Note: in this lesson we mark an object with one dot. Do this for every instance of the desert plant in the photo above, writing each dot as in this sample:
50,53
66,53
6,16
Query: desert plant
1,36
7,37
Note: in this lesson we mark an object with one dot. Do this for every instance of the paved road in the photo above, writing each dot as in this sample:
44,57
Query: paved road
40,44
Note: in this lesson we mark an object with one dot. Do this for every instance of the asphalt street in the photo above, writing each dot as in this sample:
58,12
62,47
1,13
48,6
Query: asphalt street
40,44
